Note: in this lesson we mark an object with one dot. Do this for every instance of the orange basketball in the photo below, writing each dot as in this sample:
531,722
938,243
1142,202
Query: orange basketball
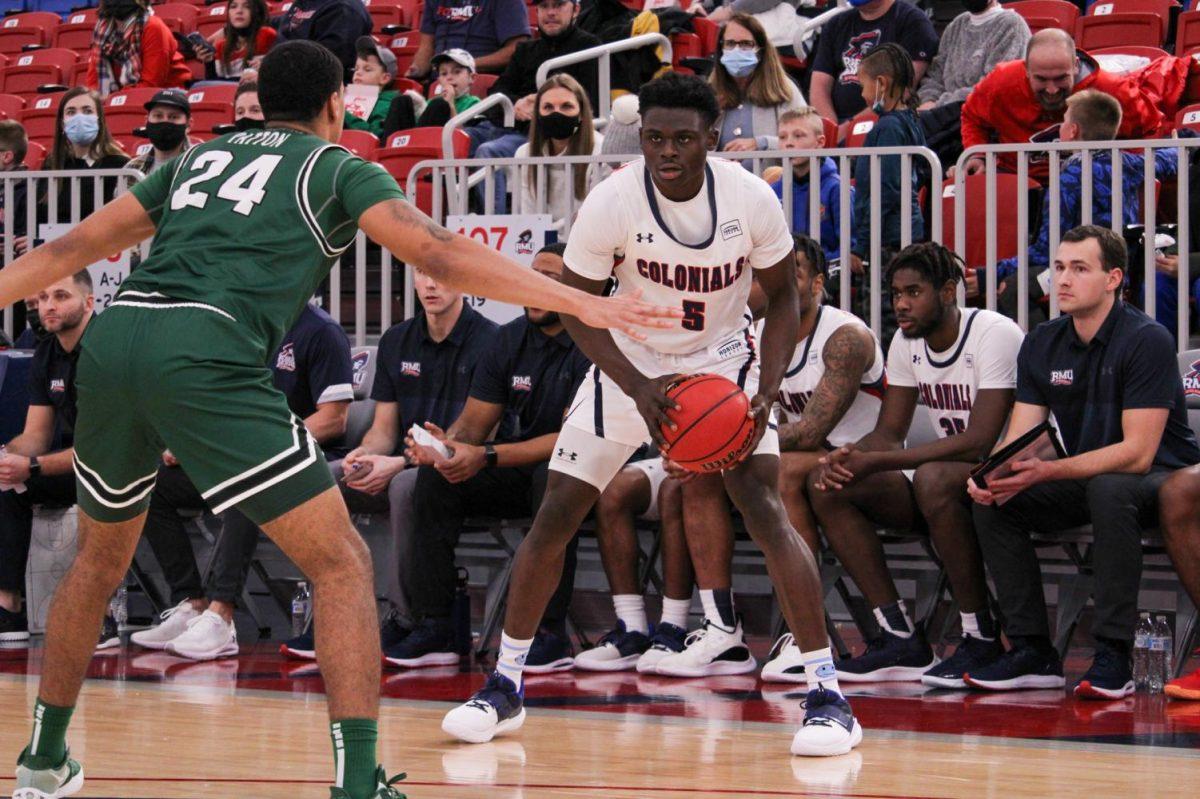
712,428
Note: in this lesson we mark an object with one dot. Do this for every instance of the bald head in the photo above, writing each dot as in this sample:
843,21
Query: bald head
1051,39
1052,66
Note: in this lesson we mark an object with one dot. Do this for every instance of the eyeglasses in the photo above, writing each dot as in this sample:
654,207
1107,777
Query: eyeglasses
745,46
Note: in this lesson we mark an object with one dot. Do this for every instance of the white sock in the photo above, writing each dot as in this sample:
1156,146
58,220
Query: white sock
970,626
820,671
675,611
711,611
511,662
881,617
631,609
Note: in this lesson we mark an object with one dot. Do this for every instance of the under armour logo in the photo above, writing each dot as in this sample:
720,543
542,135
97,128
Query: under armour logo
648,237
916,359
571,456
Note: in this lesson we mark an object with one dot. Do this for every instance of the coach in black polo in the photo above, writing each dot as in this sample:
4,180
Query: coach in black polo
1108,374
523,384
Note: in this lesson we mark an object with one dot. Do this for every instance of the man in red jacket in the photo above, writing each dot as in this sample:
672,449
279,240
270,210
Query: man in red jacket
1020,100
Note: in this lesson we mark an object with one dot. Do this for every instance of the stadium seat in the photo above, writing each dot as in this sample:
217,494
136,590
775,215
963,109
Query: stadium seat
76,75
407,148
125,110
27,71
1041,23
1189,118
404,47
211,20
11,106
709,32
1119,29
362,143
408,84
860,126
278,9
32,27
1187,35
1160,7
831,133
212,105
533,22
179,17
1061,12
1134,50
685,45
75,33
1003,220
39,116
35,155
384,12
412,12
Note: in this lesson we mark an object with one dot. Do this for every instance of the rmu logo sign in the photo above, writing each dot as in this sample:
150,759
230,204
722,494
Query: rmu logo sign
1191,380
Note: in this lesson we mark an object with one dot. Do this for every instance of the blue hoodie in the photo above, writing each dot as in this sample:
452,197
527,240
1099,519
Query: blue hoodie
898,128
831,206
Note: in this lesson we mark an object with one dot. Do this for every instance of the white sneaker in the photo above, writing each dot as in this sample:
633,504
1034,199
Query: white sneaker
710,650
208,637
667,640
784,664
619,650
174,623
829,726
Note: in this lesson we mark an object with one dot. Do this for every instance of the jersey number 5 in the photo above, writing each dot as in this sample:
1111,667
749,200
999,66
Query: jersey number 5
243,188
693,315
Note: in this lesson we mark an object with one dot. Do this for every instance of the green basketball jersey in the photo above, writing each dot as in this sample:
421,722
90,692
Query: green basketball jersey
250,223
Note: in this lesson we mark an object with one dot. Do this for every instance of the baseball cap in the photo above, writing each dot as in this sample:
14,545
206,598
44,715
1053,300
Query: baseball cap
176,98
458,56
367,45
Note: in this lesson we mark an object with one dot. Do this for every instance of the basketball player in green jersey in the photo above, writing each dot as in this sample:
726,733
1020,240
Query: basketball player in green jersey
246,227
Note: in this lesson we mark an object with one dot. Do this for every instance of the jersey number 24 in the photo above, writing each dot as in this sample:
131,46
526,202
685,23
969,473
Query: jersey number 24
243,188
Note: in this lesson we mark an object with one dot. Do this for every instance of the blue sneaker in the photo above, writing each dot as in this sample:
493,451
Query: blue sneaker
665,639
430,644
549,652
829,727
392,632
496,708
889,658
1110,677
618,650
302,647
971,655
1019,669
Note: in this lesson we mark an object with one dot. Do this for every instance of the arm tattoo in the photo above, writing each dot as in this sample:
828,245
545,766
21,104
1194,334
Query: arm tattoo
847,354
410,216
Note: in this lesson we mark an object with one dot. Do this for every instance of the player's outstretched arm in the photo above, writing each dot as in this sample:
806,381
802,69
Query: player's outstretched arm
119,225
470,267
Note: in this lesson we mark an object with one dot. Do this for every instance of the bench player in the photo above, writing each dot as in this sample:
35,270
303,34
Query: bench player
688,232
246,227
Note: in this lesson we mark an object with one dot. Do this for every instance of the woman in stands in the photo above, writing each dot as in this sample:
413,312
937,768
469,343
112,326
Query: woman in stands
563,127
243,42
132,47
82,142
752,88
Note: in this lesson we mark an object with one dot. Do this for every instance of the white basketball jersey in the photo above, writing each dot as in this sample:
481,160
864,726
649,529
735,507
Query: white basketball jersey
984,356
808,367
623,229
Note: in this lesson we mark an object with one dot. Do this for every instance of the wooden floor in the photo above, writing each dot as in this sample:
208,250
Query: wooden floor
255,727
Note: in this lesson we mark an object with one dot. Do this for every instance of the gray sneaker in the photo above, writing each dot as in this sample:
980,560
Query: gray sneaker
48,783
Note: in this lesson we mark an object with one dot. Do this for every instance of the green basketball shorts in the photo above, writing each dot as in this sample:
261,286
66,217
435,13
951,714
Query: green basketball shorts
159,374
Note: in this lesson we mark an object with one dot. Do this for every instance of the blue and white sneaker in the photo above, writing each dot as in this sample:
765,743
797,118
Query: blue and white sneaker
1019,669
829,726
496,708
665,639
1110,677
784,663
65,779
618,650
971,655
889,658
549,652
302,647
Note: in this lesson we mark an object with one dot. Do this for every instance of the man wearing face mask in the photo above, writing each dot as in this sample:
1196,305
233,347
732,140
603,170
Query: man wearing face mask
168,123
34,332
247,112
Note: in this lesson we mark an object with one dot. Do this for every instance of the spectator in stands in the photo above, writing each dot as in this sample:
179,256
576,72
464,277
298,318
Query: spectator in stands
30,460
849,37
886,76
523,384
14,144
168,123
1108,374
133,48
247,113
375,66
423,372
1179,512
312,370
455,77
337,24
563,127
245,39
489,30
777,17
803,129
34,333
751,86
82,142
1018,100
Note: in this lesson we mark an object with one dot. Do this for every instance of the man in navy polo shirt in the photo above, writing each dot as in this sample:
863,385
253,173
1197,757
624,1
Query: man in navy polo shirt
487,29
523,385
1108,374
48,477
312,368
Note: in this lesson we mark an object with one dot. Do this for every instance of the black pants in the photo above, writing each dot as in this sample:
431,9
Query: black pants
16,522
441,507
168,538
1118,506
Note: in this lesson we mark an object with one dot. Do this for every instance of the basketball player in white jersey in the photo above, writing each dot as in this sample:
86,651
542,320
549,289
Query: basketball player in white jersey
961,365
685,230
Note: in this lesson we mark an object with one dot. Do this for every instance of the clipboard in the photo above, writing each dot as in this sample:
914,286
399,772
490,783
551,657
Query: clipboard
1041,442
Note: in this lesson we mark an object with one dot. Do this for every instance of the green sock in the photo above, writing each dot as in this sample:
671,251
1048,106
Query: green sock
354,756
48,745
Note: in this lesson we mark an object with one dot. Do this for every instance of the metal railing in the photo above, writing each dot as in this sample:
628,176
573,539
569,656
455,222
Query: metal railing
603,53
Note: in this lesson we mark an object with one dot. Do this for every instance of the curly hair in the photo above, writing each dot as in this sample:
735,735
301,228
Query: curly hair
893,61
674,90
810,249
930,260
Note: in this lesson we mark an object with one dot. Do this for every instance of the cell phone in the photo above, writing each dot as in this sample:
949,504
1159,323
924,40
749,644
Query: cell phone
424,438
200,43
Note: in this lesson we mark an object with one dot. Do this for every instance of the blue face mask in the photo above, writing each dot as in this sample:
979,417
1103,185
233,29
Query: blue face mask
82,128
739,63
857,3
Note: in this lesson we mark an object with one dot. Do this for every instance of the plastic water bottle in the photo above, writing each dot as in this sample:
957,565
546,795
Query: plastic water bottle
1158,660
1141,651
1162,632
118,606
301,609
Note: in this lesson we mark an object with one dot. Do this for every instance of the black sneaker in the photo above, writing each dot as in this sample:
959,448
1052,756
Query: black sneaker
971,655
889,658
618,650
431,643
392,632
14,627
302,647
665,639
1110,677
550,652
110,636
1019,669
496,708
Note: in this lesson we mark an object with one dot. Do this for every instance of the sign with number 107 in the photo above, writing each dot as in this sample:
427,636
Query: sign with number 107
518,237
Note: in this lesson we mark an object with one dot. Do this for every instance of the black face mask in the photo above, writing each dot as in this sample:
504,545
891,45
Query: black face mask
975,6
118,9
246,123
165,136
558,126
35,324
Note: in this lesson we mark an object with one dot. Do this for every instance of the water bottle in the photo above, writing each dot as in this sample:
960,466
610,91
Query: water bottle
1162,631
118,606
1158,665
301,609
461,613
1141,651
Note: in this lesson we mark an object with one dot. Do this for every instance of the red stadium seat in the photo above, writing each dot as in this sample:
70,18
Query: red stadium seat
75,33
407,84
407,148
35,155
709,32
133,145
1187,36
126,110
212,105
1003,220
412,12
831,133
278,9
40,114
384,12
685,45
860,126
77,74
11,106
27,71
533,22
211,20
1160,7
1143,52
1042,23
362,143
179,17
1189,117
1063,13
404,47
33,27
1116,30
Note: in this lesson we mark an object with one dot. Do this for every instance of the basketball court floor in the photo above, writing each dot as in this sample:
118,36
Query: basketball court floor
151,725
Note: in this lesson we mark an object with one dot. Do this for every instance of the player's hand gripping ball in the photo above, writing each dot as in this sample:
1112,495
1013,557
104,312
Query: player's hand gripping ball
713,427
